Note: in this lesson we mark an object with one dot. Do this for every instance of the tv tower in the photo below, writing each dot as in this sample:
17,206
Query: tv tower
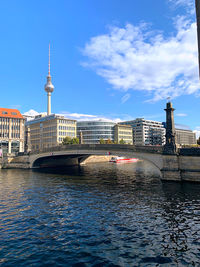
49,88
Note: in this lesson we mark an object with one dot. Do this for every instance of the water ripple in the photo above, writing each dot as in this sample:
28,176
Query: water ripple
98,215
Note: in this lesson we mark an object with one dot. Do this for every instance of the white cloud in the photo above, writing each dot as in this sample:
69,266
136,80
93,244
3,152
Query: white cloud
31,112
131,58
181,115
189,5
77,115
86,117
125,98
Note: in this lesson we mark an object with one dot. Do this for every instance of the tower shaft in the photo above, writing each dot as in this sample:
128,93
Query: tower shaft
48,103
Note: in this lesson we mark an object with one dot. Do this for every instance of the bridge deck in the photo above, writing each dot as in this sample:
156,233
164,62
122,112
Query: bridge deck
106,147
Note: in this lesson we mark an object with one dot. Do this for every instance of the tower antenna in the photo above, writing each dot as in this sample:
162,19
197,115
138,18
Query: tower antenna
49,60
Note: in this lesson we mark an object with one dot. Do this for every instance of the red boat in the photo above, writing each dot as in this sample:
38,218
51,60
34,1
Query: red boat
123,160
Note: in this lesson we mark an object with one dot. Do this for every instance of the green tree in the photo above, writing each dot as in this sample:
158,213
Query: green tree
122,142
102,141
70,141
75,140
67,140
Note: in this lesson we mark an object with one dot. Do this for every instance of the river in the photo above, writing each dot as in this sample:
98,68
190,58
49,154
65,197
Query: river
98,215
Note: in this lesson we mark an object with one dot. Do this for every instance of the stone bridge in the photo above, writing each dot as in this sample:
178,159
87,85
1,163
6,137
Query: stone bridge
77,153
183,166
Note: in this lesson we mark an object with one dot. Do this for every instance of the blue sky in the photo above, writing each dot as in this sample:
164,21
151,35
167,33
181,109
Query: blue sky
110,58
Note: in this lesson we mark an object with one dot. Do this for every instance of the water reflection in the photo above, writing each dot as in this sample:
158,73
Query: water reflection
97,215
181,211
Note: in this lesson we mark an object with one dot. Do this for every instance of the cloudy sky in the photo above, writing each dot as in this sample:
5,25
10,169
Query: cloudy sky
110,58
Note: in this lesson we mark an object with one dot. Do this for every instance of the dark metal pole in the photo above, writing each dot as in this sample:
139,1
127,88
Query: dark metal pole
197,3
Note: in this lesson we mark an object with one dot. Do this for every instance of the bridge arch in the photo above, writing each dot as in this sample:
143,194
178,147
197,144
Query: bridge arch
52,160
75,155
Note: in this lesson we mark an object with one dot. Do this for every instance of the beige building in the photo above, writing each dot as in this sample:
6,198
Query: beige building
123,132
49,131
185,137
11,131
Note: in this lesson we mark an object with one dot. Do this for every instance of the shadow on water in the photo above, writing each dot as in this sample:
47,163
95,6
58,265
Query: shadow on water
109,176
134,170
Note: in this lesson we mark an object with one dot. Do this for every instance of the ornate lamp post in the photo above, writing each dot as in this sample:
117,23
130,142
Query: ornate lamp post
170,146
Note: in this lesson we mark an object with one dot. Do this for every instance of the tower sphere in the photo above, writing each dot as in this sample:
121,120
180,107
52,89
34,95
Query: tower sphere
49,86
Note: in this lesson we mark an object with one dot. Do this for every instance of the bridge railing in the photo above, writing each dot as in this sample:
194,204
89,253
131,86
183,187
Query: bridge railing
189,151
105,147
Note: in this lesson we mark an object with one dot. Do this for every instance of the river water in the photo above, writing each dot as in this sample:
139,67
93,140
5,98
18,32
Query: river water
98,215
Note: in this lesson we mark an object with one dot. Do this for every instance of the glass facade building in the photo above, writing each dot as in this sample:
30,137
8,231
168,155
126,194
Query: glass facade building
93,131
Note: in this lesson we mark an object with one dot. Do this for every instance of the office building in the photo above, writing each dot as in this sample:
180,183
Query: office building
49,131
93,131
11,131
183,135
123,132
146,132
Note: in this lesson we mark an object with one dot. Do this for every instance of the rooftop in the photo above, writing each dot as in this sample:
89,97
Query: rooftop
43,117
10,113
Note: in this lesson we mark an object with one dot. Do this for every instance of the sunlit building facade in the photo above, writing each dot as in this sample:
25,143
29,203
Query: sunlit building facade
185,137
49,131
12,125
147,132
123,133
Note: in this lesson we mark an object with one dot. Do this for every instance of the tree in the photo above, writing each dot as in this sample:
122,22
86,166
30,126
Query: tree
66,141
122,142
102,141
108,141
75,141
70,141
